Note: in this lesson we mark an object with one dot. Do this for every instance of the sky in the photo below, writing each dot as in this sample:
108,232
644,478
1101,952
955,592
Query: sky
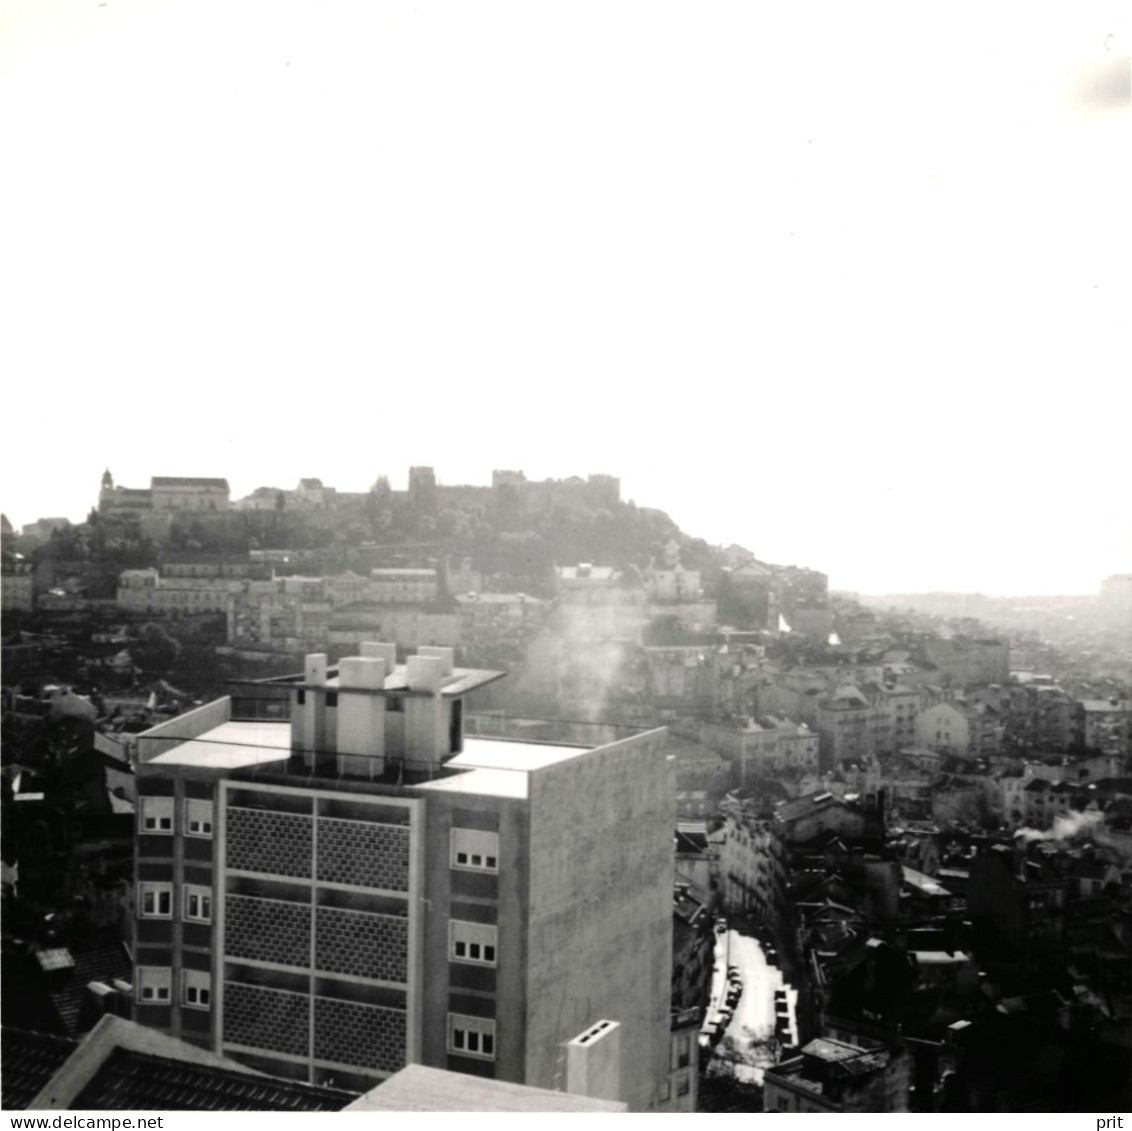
845,284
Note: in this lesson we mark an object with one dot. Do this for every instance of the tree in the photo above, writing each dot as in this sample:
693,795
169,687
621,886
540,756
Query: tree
379,507
155,651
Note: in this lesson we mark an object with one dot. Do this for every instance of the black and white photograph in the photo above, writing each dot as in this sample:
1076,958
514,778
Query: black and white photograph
565,557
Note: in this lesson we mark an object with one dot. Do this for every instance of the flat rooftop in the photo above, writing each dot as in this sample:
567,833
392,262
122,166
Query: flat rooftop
513,754
417,1088
494,766
500,767
232,746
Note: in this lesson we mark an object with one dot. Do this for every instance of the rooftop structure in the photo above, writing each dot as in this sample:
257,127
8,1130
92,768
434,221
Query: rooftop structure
832,1075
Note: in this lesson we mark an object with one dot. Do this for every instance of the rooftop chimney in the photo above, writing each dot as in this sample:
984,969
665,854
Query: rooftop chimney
308,712
386,652
593,1062
426,719
361,717
448,655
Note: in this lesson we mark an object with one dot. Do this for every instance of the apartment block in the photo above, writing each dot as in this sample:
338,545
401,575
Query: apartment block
333,882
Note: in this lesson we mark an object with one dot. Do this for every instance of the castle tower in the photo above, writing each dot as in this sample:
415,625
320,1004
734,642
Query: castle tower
106,492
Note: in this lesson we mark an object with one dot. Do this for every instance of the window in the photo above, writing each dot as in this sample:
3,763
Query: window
476,850
332,698
683,1083
198,818
155,901
155,984
471,1036
157,815
196,989
471,942
198,903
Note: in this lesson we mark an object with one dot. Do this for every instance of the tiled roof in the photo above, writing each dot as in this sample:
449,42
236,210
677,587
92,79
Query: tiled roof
29,1061
803,806
141,1082
103,964
176,481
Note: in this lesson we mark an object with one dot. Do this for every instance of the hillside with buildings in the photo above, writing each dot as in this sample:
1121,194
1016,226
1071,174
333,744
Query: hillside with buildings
720,839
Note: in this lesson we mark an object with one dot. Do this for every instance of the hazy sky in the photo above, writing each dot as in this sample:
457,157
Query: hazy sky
847,284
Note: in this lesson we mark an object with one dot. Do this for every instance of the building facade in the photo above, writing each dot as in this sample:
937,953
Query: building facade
334,882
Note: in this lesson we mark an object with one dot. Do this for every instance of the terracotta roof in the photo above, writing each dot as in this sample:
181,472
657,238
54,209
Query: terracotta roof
139,1081
29,1061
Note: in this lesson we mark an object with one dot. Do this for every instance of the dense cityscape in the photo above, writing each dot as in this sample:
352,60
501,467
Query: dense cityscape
517,796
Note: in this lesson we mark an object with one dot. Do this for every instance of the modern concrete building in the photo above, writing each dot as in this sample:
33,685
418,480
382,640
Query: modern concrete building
334,882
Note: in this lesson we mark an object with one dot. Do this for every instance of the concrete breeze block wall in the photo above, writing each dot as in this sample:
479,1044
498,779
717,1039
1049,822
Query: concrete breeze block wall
269,930
363,944
266,1019
262,841
363,854
370,1036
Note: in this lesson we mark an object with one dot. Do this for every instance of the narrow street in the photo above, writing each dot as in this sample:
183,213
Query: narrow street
749,1044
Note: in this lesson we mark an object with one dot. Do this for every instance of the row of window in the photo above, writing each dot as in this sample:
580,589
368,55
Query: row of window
155,987
156,816
471,1036
155,901
467,1036
472,849
473,943
475,850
